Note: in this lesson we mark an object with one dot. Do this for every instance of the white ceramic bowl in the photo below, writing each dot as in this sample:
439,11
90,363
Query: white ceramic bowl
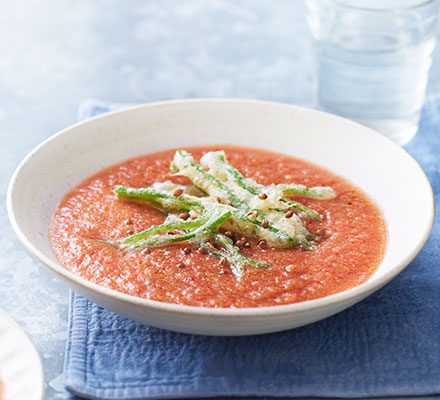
20,368
385,171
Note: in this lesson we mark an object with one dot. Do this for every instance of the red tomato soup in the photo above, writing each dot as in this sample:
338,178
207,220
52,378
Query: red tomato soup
352,238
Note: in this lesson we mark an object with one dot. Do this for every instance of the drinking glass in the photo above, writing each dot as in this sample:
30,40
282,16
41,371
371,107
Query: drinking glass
374,58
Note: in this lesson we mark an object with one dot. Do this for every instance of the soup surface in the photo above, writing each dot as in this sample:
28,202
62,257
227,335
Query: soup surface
351,238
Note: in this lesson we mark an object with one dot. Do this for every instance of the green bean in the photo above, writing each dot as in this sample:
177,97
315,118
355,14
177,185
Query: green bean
168,202
213,221
185,165
282,238
241,181
160,199
234,174
237,261
302,209
254,228
229,205
174,226
316,192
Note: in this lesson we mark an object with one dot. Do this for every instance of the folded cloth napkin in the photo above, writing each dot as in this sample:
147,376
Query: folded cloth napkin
387,345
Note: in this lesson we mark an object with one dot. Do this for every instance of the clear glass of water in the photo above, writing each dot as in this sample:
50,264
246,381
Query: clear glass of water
373,60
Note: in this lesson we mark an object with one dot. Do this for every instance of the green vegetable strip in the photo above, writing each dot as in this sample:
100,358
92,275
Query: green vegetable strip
182,203
159,199
185,165
254,228
241,181
317,192
284,240
180,225
231,253
223,181
302,209
215,219
168,202
234,174
237,268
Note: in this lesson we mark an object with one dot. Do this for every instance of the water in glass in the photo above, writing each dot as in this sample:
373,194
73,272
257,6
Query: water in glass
373,60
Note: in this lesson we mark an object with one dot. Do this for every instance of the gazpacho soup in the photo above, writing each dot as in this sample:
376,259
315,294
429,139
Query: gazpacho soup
219,226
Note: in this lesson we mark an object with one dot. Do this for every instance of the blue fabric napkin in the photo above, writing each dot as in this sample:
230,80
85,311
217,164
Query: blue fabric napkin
387,345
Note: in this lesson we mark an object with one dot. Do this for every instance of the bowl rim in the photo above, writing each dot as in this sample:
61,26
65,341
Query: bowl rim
26,345
355,292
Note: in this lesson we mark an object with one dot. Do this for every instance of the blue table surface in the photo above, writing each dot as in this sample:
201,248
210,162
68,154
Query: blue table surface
55,54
